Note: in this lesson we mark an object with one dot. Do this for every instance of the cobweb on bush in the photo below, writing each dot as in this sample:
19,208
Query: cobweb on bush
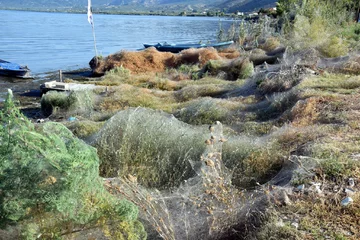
153,145
205,206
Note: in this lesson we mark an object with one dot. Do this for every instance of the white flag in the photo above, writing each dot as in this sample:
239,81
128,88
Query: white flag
89,13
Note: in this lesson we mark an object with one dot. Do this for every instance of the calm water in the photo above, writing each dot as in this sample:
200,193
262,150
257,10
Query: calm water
47,42
52,41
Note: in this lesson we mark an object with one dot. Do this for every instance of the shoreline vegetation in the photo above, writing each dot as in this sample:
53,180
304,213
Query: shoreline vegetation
257,141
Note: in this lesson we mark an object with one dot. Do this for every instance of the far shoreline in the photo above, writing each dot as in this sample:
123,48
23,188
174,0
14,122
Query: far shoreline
140,13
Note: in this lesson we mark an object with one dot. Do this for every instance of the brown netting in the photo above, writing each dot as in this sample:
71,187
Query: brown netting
151,60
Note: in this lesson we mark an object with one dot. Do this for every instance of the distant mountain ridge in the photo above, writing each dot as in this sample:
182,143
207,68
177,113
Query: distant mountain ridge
128,5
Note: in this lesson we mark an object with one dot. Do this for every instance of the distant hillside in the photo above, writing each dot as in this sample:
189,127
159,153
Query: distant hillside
246,5
134,5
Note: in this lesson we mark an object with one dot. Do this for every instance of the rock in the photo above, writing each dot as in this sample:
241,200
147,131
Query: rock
346,201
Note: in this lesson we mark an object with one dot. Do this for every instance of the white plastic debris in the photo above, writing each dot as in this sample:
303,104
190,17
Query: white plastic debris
295,225
349,191
10,92
300,187
316,188
346,201
351,182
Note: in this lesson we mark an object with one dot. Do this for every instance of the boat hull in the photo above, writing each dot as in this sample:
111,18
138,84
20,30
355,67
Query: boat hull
22,73
9,69
176,48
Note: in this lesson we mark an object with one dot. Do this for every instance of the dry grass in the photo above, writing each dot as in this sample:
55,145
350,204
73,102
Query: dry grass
149,80
239,68
128,96
230,53
151,60
84,129
205,111
270,44
352,66
195,91
196,56
305,112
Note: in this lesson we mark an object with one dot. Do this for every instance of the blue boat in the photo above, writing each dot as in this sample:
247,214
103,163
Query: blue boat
178,47
10,69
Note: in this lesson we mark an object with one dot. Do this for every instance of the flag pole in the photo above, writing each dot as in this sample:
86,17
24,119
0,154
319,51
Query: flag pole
91,21
93,31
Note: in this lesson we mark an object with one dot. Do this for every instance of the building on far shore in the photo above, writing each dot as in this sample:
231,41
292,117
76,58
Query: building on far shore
239,13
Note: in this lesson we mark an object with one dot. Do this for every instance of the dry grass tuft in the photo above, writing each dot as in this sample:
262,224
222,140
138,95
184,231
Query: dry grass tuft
305,112
239,68
128,96
270,44
352,66
196,56
152,61
229,53
149,60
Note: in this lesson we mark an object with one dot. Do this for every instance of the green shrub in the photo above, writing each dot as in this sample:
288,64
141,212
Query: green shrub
119,72
239,68
83,129
73,103
334,47
49,179
352,32
333,168
308,33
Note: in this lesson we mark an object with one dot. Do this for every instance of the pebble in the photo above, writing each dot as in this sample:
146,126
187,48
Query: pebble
346,201
40,120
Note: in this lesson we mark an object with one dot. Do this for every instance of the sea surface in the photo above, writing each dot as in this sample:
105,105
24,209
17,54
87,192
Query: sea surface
48,42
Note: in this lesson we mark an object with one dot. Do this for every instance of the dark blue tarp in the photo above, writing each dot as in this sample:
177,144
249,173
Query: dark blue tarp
10,66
